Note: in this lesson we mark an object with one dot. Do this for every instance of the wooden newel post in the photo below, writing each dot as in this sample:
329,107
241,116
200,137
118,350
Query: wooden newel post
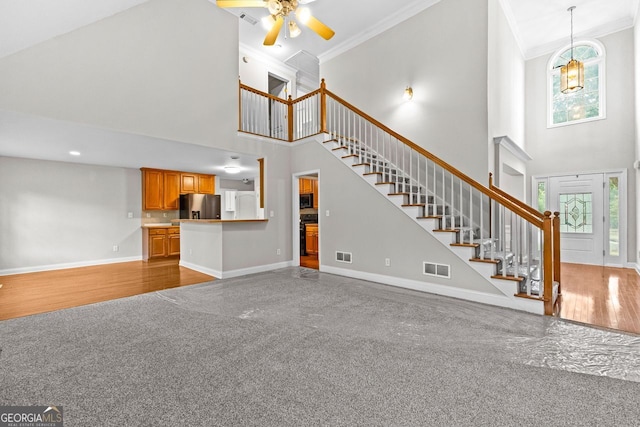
290,118
323,106
547,262
490,179
556,250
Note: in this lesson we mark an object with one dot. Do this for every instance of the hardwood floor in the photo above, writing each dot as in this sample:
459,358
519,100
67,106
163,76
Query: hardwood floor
601,296
32,293
310,261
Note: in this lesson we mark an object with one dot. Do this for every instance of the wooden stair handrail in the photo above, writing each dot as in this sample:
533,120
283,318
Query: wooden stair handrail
494,195
265,94
523,205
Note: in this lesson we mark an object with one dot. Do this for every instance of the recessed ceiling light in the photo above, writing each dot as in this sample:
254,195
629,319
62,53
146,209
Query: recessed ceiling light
231,169
74,153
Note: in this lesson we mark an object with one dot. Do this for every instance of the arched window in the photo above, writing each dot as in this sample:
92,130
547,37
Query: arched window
586,104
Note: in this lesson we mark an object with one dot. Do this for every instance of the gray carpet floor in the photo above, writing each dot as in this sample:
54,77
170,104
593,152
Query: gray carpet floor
295,347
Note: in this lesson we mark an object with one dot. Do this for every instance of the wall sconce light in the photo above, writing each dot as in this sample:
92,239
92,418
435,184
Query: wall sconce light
408,94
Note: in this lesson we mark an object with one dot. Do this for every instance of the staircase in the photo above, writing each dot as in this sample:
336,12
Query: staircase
449,226
511,245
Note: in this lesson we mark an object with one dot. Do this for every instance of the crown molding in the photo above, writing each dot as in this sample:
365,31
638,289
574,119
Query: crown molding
392,20
601,31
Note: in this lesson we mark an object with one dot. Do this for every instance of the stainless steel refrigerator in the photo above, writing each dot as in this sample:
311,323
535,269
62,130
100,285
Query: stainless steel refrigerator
199,206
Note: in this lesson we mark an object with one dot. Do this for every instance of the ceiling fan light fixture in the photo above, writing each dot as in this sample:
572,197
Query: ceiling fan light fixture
274,6
268,21
303,14
294,30
572,74
408,94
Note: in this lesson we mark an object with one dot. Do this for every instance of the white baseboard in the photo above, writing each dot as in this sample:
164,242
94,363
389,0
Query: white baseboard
200,269
236,273
257,269
63,266
522,304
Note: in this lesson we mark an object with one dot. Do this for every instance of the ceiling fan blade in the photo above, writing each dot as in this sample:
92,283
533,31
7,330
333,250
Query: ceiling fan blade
305,1
272,35
321,29
241,3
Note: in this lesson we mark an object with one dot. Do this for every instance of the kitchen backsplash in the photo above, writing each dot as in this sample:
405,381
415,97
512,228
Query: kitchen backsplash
155,217
306,211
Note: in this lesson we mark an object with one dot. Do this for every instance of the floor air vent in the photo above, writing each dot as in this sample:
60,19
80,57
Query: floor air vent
343,257
438,270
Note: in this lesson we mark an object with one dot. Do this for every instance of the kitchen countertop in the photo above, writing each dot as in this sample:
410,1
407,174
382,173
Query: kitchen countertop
214,221
160,225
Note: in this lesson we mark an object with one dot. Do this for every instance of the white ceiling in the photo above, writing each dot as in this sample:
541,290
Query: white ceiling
540,26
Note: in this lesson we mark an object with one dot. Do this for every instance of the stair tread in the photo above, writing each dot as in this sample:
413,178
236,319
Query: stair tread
488,261
349,155
342,147
524,295
430,217
361,164
384,183
512,278
398,194
446,230
465,245
420,205
330,140
373,173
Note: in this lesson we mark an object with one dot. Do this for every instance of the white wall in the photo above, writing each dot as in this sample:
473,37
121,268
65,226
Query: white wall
592,146
636,176
53,214
255,68
442,53
506,92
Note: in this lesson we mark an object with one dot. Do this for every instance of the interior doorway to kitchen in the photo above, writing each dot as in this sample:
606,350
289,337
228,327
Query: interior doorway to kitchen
308,195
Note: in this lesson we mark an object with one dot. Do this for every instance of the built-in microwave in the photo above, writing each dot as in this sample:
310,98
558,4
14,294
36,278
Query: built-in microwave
306,201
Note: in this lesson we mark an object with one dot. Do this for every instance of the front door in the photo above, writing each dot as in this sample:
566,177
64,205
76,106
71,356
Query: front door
579,199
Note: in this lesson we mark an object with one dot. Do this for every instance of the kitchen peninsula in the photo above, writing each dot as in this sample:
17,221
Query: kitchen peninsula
218,247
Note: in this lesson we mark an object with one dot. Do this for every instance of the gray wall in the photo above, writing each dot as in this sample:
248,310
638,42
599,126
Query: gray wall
54,213
166,68
362,221
635,174
442,54
593,146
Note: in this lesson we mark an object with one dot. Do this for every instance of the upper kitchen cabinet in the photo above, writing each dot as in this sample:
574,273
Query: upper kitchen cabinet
306,186
196,183
160,190
316,194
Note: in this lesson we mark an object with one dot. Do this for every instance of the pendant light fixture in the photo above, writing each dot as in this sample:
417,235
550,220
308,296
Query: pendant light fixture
572,74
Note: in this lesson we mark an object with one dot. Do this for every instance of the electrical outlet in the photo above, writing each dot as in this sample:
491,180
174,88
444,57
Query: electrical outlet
327,212
115,248
277,251
164,215
148,215
129,214
270,214
387,262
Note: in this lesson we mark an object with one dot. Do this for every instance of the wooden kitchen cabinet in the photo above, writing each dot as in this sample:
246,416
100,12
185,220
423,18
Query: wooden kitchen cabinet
161,242
316,195
173,241
197,183
306,186
312,238
160,190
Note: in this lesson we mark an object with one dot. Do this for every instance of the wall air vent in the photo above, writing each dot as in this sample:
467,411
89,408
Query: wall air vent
437,270
250,19
343,257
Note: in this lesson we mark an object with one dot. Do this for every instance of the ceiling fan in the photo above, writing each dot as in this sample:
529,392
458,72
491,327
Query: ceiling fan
279,12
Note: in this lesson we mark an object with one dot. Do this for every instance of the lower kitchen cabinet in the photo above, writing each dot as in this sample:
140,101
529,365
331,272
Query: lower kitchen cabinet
312,238
160,242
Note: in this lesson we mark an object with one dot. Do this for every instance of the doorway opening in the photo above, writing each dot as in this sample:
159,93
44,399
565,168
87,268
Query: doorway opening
278,87
308,202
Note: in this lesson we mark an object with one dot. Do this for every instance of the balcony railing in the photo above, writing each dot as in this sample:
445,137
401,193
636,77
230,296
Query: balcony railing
522,242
